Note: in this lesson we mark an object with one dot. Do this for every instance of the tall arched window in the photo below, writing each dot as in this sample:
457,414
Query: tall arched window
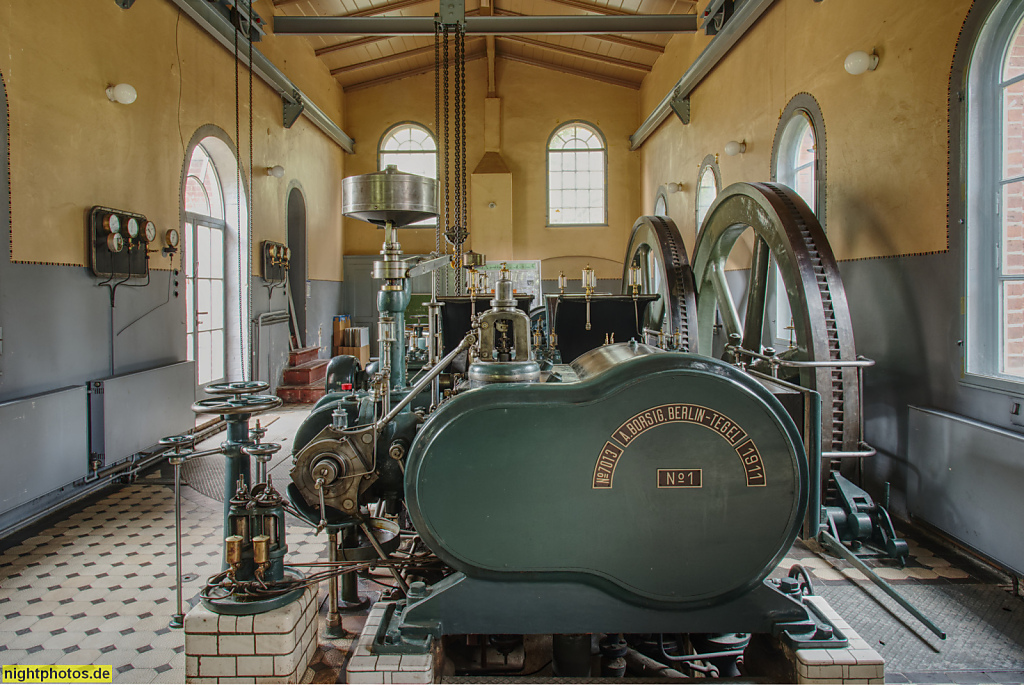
215,259
577,176
412,149
995,198
798,161
661,203
709,182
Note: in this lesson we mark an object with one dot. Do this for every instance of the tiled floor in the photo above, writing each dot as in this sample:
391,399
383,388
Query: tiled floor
96,585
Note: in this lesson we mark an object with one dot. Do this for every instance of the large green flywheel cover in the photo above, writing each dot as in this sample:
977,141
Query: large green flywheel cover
663,479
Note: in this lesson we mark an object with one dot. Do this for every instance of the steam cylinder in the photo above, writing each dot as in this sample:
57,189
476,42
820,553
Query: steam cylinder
661,478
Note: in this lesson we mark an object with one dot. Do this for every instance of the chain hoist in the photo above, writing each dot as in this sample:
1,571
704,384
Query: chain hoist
452,172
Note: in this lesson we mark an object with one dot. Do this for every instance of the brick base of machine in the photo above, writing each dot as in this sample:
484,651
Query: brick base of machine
273,647
858,663
367,667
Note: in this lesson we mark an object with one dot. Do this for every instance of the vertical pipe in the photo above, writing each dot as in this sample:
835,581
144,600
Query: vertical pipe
178,620
333,615
812,444
236,464
349,582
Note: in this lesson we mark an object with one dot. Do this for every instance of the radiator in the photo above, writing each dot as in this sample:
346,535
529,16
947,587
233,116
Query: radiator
130,413
44,444
966,479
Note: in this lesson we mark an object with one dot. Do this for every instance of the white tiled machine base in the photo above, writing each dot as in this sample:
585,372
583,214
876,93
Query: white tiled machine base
367,667
273,647
858,663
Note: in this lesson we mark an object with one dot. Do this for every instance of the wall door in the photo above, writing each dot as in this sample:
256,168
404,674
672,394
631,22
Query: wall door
205,296
297,270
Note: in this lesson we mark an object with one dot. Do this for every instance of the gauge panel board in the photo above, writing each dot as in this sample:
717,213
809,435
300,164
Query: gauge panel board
131,261
275,260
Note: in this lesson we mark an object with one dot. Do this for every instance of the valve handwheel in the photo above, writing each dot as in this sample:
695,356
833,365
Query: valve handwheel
237,388
262,451
178,441
243,404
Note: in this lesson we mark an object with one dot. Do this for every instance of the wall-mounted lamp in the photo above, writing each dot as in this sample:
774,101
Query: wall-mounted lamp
674,187
277,171
123,92
858,62
733,148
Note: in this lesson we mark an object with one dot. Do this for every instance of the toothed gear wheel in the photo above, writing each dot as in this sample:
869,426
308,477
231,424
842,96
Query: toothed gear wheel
657,248
823,330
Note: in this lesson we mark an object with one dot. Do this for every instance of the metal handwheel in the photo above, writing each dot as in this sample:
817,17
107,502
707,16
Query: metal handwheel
786,232
263,449
245,404
237,388
177,441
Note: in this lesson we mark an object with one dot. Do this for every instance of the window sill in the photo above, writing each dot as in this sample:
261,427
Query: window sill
993,383
604,225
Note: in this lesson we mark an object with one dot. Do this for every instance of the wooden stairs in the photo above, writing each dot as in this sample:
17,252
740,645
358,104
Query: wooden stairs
303,381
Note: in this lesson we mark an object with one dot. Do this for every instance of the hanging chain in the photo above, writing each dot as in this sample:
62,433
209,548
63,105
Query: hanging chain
445,178
457,227
452,173
244,282
464,221
238,203
437,127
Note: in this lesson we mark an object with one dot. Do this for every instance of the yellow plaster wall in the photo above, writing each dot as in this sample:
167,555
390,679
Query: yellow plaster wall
71,148
534,101
886,131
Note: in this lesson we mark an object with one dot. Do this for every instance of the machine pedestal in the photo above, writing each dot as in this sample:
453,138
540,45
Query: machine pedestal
276,644
460,605
855,663
367,666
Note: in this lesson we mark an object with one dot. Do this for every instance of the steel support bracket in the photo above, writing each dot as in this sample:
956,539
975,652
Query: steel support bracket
681,106
292,108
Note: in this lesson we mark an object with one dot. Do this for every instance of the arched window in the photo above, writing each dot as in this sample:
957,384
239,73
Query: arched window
709,182
412,149
798,161
995,198
661,203
215,259
577,176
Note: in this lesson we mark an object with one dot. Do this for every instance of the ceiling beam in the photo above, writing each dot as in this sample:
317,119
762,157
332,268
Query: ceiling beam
386,59
608,38
593,7
390,6
369,40
569,70
415,71
574,52
551,24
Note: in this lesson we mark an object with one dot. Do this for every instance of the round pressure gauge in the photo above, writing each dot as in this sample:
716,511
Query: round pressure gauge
149,232
273,250
115,242
132,228
112,223
287,253
172,237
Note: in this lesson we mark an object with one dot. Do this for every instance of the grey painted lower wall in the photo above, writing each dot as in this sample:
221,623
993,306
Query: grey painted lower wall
906,315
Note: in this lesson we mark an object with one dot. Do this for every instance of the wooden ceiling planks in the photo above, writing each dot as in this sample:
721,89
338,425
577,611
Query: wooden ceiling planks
372,60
